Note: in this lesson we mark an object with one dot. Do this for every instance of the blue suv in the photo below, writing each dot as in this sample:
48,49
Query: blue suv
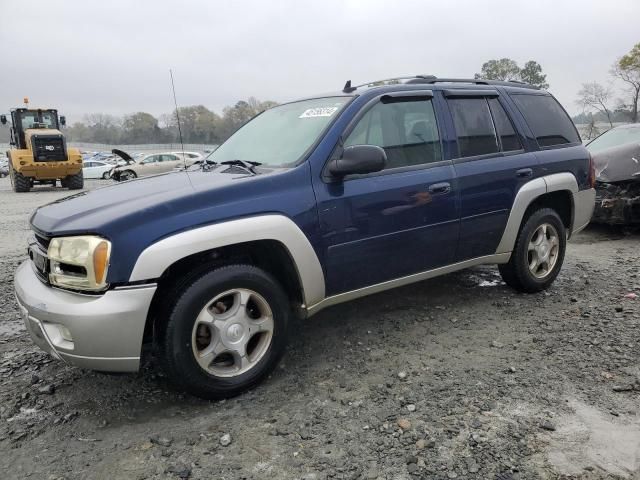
310,204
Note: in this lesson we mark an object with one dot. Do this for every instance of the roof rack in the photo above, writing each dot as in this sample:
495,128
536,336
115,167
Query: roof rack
432,79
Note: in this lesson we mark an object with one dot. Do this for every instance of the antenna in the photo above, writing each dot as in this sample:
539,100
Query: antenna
175,102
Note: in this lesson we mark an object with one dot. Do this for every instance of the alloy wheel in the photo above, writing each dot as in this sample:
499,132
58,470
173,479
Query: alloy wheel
542,251
232,333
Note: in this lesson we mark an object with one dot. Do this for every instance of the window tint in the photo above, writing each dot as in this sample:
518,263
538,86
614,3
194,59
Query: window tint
407,131
504,128
547,120
474,127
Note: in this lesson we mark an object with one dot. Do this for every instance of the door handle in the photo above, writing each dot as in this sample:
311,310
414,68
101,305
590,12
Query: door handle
524,173
440,188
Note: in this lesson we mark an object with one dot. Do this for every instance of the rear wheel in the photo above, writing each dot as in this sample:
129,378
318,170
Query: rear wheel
74,182
19,182
538,253
226,331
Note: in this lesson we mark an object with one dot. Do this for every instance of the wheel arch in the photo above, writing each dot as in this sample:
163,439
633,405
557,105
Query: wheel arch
554,191
252,237
269,255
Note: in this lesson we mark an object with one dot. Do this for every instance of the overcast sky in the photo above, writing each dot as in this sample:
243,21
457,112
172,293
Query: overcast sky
114,56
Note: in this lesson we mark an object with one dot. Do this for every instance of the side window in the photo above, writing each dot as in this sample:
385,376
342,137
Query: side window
88,164
548,121
474,126
406,129
504,128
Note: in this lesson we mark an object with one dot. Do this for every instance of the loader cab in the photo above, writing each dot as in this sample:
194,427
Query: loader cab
23,119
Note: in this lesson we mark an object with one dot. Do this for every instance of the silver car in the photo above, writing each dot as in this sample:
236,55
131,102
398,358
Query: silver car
149,164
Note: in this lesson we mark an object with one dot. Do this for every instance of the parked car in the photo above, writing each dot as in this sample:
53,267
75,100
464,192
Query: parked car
149,164
194,156
4,168
96,169
310,204
616,156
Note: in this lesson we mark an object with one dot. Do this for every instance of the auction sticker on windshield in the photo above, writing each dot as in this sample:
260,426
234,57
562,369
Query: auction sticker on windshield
318,112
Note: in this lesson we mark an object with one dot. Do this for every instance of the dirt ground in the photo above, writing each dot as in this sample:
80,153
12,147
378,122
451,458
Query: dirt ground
455,377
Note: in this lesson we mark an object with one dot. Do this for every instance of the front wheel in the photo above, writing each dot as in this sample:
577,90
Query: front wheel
127,175
106,175
538,254
226,331
19,182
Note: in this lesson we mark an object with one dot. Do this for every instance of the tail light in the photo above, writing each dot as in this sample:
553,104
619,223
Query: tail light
591,179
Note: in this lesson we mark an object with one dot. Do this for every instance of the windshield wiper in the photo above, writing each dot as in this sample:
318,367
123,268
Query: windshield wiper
246,164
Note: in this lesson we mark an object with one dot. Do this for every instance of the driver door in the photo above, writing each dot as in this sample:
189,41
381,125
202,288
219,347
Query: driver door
400,221
150,165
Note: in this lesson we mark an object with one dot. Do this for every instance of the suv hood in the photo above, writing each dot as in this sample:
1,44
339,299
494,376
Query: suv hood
91,212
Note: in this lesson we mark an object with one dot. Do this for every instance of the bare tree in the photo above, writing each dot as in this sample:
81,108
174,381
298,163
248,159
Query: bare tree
595,96
627,69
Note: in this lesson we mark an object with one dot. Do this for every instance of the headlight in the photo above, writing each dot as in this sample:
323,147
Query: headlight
80,263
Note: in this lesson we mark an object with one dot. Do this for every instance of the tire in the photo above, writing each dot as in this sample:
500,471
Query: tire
128,175
105,176
197,341
19,182
74,182
527,270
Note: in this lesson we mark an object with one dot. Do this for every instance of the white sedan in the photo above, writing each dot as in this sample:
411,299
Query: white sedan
97,169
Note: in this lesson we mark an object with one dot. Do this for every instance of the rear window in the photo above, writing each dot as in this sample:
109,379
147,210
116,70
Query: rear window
474,126
548,121
507,134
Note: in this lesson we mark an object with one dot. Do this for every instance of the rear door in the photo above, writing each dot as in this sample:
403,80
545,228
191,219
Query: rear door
491,165
402,220
89,169
171,161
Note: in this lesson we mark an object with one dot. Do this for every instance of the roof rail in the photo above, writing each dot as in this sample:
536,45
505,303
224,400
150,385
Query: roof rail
432,79
476,81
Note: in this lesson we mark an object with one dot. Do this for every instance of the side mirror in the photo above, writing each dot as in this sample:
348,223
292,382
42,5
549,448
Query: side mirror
3,119
63,120
358,159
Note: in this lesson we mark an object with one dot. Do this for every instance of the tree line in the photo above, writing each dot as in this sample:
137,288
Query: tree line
198,125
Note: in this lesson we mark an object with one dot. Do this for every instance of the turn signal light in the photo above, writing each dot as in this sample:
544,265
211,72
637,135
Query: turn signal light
100,259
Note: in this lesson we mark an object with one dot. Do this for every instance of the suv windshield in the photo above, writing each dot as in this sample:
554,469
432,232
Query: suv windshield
614,138
280,136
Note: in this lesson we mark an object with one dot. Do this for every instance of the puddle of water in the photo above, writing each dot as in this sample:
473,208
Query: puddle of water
591,438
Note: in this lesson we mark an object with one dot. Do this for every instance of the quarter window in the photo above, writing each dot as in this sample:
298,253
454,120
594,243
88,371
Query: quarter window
404,127
504,128
474,127
548,121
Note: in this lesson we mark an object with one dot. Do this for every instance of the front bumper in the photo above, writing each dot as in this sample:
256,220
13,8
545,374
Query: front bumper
97,332
584,202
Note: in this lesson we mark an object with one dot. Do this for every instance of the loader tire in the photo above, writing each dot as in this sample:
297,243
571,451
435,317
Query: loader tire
74,182
20,182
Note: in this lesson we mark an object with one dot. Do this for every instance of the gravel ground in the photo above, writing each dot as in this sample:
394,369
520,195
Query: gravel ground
456,377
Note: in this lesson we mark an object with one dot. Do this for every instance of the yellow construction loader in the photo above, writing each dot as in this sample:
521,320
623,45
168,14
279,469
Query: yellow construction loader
39,152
